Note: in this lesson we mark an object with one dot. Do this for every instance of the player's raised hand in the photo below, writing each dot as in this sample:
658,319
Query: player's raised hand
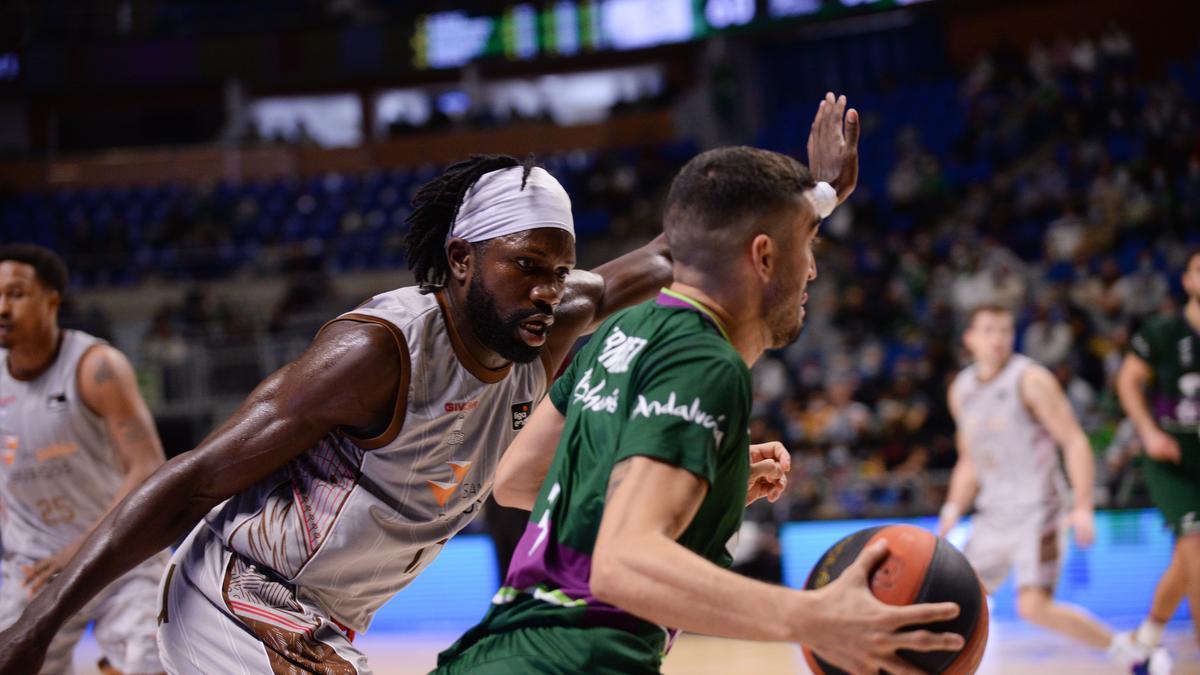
1161,446
1083,522
833,145
769,466
859,634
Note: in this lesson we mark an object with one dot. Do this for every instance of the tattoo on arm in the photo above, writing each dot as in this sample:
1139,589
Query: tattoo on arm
615,478
104,371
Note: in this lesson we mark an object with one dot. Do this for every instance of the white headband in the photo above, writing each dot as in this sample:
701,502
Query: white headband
496,205
823,198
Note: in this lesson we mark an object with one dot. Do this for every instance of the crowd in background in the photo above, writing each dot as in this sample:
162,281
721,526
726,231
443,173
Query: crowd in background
1080,221
1070,193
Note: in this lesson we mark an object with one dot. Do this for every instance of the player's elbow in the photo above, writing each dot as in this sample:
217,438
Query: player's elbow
1128,388
509,490
503,494
605,581
619,568
511,496
1079,445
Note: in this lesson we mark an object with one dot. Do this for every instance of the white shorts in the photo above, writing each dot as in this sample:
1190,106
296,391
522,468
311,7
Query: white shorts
1030,543
224,614
124,616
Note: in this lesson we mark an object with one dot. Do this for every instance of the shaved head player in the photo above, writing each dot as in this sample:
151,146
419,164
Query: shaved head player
343,474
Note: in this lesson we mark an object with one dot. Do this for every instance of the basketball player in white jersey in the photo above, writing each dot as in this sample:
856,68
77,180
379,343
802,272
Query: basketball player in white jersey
1012,415
343,474
75,438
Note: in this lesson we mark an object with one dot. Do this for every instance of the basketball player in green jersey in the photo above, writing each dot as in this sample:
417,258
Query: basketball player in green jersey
1167,351
628,537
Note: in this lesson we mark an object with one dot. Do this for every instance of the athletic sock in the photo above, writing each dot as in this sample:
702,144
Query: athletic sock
1124,651
1149,633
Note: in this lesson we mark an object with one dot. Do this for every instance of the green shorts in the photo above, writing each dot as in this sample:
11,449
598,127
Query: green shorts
552,651
1175,489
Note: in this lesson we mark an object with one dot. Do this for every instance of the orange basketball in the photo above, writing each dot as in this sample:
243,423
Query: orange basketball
920,567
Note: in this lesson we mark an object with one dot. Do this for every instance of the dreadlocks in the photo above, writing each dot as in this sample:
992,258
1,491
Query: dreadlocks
435,207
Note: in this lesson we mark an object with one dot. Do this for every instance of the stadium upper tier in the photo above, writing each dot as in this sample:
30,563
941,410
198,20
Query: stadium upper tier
120,236
1006,151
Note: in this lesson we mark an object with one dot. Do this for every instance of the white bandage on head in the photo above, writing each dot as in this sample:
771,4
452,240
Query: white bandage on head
496,205
823,198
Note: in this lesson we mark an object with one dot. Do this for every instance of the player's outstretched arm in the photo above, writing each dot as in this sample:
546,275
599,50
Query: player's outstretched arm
348,377
524,465
1044,396
594,295
638,566
833,145
1132,379
108,387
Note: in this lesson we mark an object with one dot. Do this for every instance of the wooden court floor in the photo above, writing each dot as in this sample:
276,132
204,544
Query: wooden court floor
1013,648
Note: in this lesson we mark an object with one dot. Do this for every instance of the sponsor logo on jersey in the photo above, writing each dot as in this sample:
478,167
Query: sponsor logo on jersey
1187,411
594,398
7,400
41,472
620,350
443,489
689,413
461,406
456,436
56,401
1141,346
520,414
8,448
55,451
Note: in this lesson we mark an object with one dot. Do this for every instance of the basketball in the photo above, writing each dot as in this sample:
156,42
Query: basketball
920,567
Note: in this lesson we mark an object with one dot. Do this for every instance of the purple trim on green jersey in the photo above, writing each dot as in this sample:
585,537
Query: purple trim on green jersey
557,566
669,298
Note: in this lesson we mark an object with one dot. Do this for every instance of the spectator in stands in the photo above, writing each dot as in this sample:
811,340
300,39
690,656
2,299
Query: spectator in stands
1142,291
1048,338
1065,236
838,419
165,354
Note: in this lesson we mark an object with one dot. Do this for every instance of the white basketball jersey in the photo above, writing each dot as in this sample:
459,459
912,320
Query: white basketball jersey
352,521
57,475
1016,460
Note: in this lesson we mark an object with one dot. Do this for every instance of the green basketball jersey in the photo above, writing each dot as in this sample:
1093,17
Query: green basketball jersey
1172,348
659,380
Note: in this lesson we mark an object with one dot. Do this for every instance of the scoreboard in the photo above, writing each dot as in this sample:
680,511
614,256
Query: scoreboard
567,27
